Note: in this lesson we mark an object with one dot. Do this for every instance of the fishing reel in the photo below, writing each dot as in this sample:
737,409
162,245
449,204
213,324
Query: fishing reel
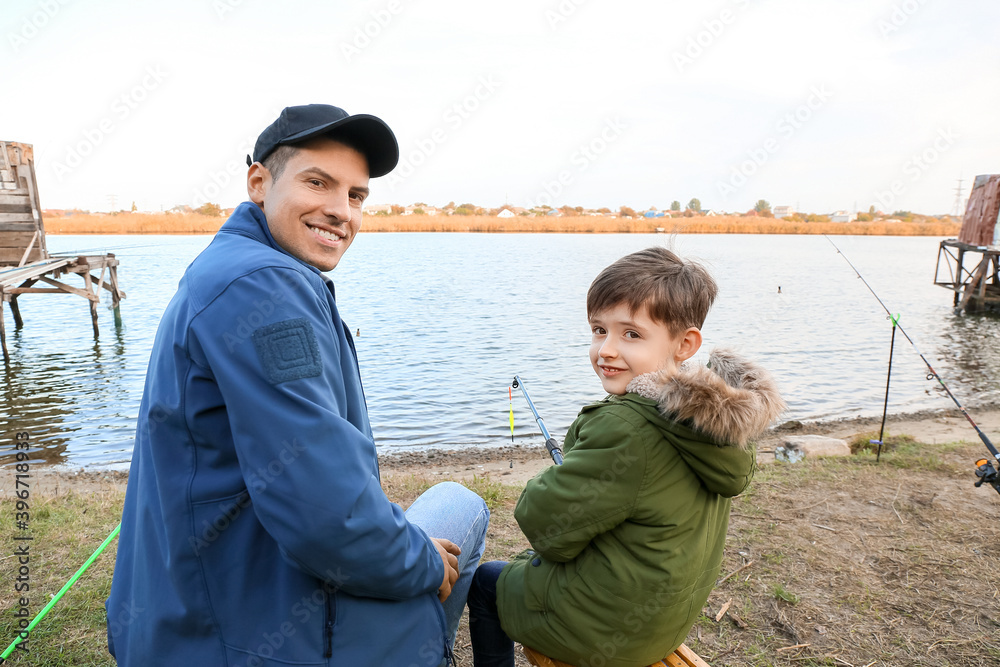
987,474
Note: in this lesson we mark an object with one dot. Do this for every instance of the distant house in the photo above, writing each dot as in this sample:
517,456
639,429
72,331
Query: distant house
555,213
783,211
843,216
505,213
710,213
372,209
653,214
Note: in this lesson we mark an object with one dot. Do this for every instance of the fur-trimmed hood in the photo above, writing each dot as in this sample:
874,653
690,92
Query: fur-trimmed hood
732,400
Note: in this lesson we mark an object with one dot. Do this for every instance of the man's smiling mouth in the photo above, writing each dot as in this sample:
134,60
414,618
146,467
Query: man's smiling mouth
322,233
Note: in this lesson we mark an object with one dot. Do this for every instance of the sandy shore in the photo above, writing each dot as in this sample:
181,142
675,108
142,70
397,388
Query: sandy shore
515,464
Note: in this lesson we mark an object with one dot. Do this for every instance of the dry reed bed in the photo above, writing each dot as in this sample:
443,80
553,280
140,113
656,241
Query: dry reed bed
194,223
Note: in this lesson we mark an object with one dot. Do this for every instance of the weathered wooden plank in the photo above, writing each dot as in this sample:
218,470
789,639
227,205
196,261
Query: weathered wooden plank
16,239
16,217
15,197
31,247
85,293
21,207
981,212
13,255
18,226
35,290
28,271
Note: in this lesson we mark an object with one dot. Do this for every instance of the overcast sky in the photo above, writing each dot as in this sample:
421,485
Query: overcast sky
817,104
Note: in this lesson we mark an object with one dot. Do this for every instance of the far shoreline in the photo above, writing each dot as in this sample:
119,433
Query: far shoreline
194,224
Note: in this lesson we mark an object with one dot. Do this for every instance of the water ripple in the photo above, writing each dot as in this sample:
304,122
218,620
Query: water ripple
447,320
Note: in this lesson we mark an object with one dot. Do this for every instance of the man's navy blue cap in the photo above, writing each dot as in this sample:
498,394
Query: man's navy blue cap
297,124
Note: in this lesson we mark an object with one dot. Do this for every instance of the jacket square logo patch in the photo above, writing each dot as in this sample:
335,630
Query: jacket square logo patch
288,350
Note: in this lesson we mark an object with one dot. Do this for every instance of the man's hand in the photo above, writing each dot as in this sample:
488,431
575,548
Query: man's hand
449,552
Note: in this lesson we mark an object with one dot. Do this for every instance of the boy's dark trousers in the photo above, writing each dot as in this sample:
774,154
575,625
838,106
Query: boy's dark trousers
491,647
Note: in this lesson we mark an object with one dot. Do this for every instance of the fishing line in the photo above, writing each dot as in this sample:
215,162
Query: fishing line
985,470
550,443
22,636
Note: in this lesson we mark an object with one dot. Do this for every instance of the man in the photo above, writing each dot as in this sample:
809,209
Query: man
255,532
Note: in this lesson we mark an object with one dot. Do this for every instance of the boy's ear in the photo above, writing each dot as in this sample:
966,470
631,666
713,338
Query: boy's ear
690,343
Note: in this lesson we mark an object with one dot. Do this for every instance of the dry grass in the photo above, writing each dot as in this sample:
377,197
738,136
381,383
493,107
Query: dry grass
857,563
134,223
833,562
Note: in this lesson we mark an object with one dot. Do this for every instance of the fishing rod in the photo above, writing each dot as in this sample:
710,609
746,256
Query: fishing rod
985,470
22,636
550,443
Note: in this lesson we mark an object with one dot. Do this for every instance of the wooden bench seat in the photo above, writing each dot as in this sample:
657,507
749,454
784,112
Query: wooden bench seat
682,657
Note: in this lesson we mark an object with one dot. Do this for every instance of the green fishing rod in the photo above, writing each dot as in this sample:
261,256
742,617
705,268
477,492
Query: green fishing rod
550,443
22,636
985,470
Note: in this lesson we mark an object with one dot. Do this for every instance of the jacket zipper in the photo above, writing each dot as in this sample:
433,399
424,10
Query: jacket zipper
449,657
331,606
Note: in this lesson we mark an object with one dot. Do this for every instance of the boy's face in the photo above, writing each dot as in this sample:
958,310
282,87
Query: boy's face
625,345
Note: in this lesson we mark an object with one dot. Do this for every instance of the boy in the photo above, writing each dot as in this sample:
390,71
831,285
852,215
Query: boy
627,535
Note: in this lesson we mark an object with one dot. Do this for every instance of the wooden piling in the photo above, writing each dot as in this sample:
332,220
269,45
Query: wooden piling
3,336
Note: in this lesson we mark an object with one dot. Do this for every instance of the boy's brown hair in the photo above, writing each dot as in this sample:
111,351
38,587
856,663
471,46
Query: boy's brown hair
674,291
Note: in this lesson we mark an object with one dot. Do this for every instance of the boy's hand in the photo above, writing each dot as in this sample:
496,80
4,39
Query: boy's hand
449,553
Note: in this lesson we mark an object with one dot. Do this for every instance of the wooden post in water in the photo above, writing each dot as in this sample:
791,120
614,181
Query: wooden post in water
3,336
88,283
115,300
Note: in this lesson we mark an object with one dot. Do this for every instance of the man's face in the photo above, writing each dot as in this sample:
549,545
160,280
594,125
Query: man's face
313,209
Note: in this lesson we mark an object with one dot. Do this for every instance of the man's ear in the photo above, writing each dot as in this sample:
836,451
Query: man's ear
258,182
690,343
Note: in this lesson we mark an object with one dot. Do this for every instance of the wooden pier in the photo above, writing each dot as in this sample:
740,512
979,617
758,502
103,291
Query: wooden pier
24,258
972,260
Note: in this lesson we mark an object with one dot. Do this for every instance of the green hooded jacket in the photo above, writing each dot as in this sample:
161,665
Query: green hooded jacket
627,535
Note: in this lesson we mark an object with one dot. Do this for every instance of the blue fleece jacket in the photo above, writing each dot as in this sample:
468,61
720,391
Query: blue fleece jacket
255,531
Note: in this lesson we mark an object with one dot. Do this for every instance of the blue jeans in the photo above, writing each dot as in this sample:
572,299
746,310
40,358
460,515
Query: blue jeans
449,510
491,647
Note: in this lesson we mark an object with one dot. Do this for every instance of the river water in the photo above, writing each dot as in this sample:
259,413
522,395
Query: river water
447,320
